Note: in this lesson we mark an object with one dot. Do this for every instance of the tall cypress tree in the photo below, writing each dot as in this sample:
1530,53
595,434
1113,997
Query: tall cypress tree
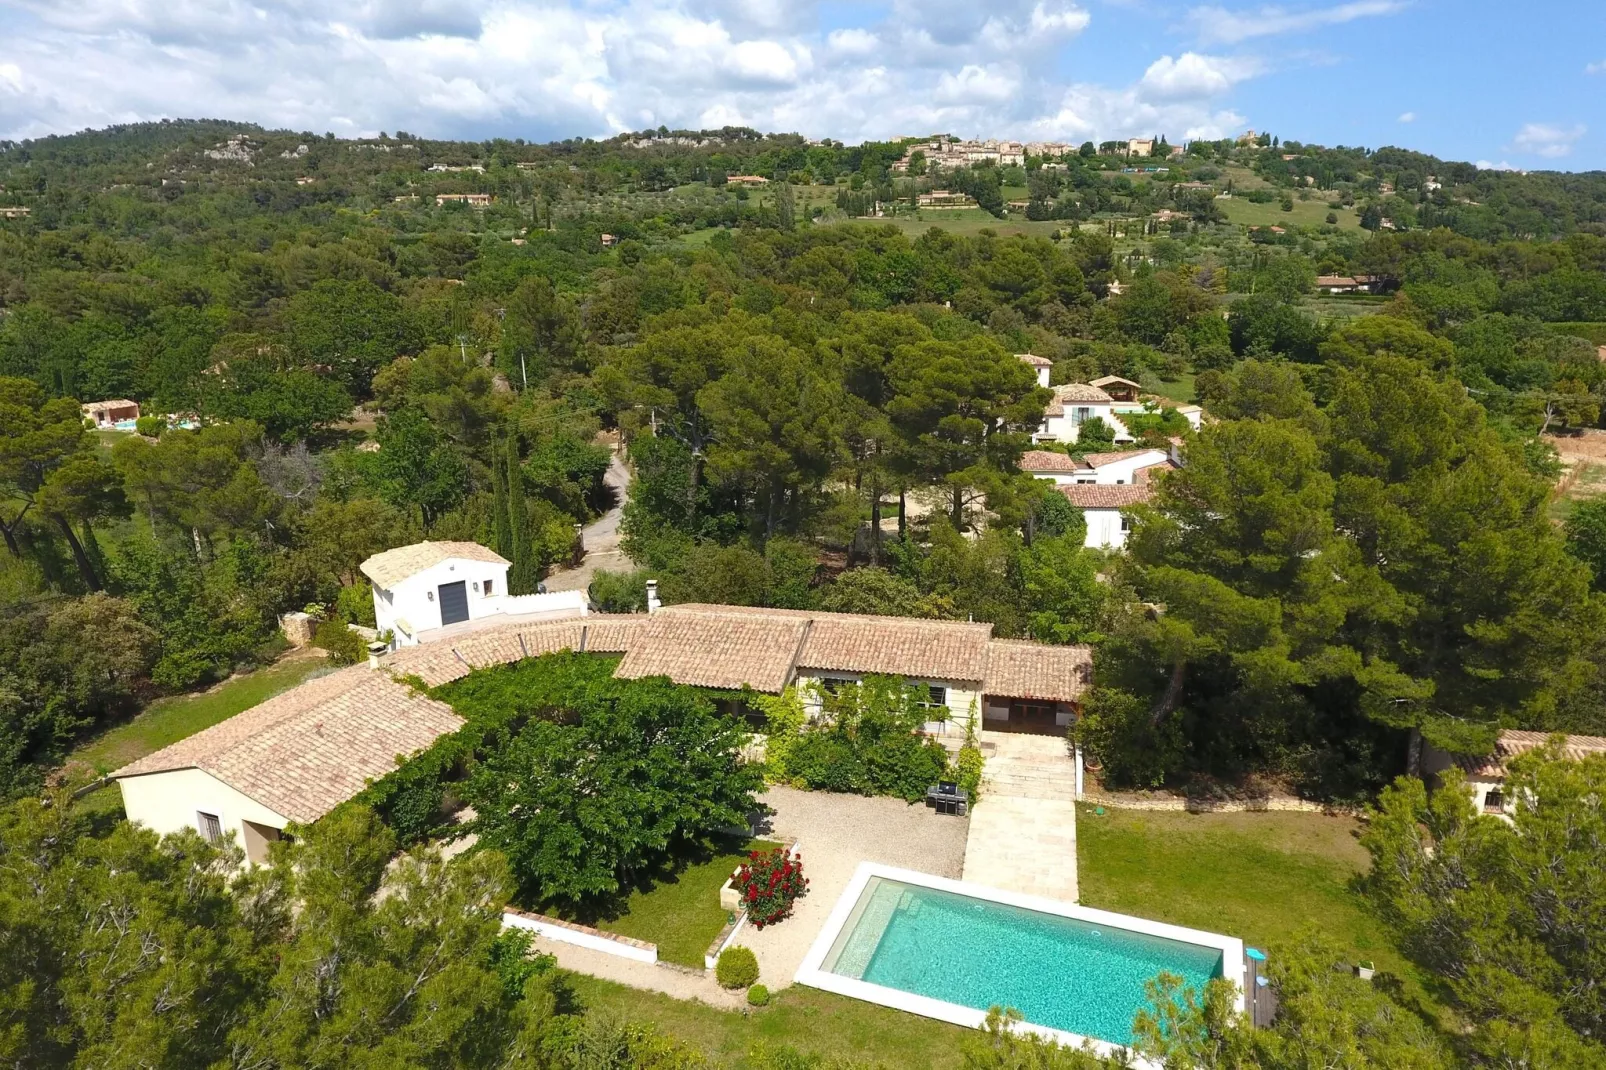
521,577
503,521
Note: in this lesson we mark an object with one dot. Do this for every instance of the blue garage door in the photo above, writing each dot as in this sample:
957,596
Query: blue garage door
454,602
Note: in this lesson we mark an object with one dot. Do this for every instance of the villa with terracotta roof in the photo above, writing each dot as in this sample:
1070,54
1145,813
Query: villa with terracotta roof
300,754
1108,399
1114,469
1486,773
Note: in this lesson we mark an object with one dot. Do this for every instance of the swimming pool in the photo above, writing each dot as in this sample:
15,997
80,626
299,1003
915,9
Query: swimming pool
947,949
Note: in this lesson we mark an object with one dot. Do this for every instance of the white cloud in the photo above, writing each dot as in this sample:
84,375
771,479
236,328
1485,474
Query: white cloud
543,69
1407,117
1195,75
1217,25
1596,68
853,42
1547,140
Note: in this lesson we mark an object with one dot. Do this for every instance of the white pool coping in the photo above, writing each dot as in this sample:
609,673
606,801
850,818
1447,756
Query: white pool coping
813,974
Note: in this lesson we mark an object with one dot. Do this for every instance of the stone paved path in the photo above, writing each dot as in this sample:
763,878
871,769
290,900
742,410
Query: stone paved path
1023,833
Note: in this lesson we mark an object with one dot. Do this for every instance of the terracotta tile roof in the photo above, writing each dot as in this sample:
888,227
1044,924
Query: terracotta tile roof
896,646
392,566
447,660
1143,474
1105,496
711,646
1513,742
1034,360
310,749
1019,669
1049,461
1075,392
1110,380
1099,460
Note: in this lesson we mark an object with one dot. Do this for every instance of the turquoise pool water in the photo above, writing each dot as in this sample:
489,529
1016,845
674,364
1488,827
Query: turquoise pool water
1059,972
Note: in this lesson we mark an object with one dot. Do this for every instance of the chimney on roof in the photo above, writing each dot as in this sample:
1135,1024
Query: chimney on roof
375,649
653,604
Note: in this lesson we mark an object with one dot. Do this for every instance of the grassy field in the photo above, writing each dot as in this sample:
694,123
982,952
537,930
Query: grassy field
681,912
1179,390
1264,877
1342,308
812,1022
169,720
1306,213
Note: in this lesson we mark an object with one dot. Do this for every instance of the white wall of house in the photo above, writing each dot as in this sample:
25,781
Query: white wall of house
1066,428
1104,529
959,697
416,599
1125,470
174,800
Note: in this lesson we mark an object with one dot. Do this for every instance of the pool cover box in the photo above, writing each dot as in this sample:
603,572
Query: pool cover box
950,949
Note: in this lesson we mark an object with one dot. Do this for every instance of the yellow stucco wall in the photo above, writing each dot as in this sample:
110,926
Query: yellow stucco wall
168,802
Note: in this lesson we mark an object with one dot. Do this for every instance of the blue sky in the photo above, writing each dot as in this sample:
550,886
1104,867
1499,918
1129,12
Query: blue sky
1506,85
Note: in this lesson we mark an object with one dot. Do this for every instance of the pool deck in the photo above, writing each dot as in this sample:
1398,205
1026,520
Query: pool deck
835,833
1023,831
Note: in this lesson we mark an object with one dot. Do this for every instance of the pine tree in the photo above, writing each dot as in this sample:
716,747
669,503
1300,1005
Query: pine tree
503,521
521,577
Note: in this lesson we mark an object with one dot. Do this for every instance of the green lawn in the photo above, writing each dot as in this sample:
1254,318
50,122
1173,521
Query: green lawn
1306,213
810,1021
1262,877
680,912
1180,389
1590,482
169,720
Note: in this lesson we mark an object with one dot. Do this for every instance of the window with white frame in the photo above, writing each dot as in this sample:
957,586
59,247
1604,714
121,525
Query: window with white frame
936,696
1126,523
210,826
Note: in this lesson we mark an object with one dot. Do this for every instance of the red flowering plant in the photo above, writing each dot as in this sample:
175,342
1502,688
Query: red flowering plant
769,883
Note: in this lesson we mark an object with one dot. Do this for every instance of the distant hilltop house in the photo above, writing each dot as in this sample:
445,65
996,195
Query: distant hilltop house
1486,774
1346,284
305,180
14,211
420,590
609,240
451,168
1108,398
473,200
943,200
1139,146
300,754
117,413
747,180
1170,215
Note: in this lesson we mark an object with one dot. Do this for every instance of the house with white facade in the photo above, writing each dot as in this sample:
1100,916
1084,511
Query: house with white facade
295,757
422,589
1486,773
1105,507
1074,404
1042,366
1104,469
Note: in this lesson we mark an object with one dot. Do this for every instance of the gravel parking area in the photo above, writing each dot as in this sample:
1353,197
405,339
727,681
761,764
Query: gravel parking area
835,834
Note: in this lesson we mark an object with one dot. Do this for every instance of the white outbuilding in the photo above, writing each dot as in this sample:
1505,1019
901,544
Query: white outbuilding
422,589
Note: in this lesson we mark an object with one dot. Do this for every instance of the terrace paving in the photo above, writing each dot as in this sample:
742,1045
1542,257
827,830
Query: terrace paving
1023,832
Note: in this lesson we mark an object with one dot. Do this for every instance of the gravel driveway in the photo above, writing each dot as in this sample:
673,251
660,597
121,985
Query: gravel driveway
835,834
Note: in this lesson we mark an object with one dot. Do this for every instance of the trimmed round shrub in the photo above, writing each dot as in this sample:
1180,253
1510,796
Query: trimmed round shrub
769,882
758,996
737,967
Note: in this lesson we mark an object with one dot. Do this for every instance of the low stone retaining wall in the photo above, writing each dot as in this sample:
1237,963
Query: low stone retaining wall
1176,804
567,932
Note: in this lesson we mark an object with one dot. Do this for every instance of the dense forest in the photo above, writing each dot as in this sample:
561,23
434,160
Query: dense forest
334,357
